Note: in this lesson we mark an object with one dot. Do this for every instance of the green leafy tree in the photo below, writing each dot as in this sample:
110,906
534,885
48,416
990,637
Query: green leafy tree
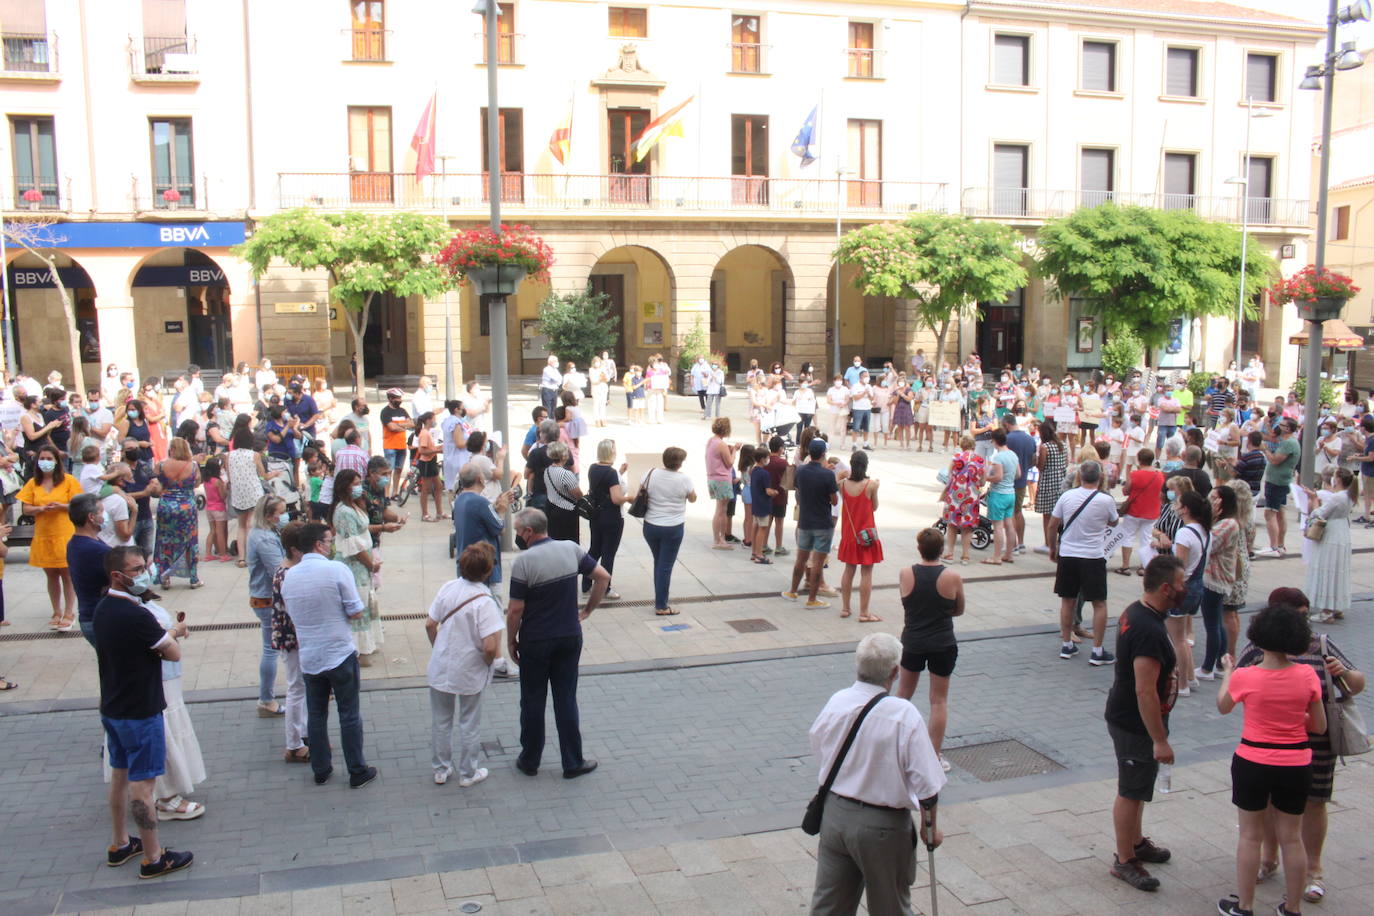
1122,353
697,342
363,253
578,325
1139,268
945,262
1326,393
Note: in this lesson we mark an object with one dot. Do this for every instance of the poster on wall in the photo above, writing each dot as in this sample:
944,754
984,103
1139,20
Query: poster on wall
90,340
653,334
1175,341
533,345
650,311
1087,332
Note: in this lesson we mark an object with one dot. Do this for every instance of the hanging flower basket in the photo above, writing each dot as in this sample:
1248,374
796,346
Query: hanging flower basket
172,196
33,197
496,263
1319,294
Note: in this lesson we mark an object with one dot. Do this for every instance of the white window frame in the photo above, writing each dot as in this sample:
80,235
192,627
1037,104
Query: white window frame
1279,100
1200,51
648,24
1029,85
1115,92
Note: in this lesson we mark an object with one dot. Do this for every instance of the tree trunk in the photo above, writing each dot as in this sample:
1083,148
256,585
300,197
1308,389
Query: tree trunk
357,323
941,332
78,381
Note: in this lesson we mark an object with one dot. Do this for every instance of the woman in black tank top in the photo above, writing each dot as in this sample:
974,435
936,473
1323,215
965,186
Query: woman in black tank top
928,632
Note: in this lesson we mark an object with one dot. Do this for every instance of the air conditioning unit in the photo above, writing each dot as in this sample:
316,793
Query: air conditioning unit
173,62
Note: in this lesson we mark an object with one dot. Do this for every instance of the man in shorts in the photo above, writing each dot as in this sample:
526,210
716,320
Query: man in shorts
817,492
1003,467
1282,460
1137,716
130,646
396,422
1077,535
1023,446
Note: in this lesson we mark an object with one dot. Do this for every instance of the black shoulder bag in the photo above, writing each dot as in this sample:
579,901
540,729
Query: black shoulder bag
1073,518
640,506
811,821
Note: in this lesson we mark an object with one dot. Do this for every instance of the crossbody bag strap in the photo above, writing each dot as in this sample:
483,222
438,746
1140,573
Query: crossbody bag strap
1077,512
459,608
848,741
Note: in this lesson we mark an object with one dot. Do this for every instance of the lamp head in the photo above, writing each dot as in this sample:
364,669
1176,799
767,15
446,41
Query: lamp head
1355,12
480,7
1312,79
1349,58
1235,179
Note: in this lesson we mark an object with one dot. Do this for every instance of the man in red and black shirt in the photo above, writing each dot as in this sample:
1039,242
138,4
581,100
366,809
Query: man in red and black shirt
1137,715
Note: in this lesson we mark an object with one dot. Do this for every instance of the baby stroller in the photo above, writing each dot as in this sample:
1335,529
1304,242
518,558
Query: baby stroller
780,422
284,486
981,536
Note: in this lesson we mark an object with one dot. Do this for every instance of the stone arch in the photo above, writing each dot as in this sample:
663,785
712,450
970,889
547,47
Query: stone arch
641,288
181,311
750,288
36,309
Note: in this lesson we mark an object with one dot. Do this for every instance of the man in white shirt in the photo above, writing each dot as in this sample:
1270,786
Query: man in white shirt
701,375
11,408
1077,534
867,840
422,402
98,416
715,390
117,530
550,381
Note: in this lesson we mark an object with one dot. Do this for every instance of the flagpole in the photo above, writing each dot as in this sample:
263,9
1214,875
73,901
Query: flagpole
450,388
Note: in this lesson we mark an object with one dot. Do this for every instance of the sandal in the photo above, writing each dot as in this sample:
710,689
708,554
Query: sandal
241,564
8,685
762,561
949,557
667,612
991,562
871,618
177,808
1123,570
845,613
1267,870
299,755
427,518
1314,890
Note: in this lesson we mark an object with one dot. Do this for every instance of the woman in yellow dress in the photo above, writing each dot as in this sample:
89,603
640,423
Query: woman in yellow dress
45,497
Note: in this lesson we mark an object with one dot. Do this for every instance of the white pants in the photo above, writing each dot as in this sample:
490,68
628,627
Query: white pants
599,401
469,727
295,699
1137,535
657,396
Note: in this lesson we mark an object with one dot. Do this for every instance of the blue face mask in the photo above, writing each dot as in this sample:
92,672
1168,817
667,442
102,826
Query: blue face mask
46,465
141,582
357,490
281,522
1171,495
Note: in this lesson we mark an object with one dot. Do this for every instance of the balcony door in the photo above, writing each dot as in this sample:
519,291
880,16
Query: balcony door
629,180
1260,190
612,286
749,159
510,151
368,31
369,155
866,163
1010,175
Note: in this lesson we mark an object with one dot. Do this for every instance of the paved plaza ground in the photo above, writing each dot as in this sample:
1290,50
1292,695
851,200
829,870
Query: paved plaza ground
700,730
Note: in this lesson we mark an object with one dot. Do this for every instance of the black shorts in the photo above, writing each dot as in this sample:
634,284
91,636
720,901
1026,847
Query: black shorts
941,661
779,511
1254,786
1136,767
428,468
1081,575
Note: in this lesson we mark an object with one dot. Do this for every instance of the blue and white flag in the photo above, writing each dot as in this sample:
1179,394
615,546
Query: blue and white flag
806,139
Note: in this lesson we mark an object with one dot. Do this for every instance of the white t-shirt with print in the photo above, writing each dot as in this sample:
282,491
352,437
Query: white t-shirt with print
456,665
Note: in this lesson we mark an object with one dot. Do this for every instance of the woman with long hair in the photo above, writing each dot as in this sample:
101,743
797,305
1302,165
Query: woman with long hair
1271,770
1189,543
246,471
720,459
1328,560
353,547
1051,462
859,544
427,452
265,556
1225,558
178,536
961,496
45,498
156,415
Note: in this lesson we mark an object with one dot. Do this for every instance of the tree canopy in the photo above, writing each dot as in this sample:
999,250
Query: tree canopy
1140,268
578,325
364,254
946,263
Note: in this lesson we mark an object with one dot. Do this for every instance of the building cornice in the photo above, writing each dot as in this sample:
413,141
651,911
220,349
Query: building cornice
1277,28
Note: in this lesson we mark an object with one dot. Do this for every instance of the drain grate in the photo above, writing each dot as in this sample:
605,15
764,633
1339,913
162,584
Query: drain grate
493,748
998,760
752,625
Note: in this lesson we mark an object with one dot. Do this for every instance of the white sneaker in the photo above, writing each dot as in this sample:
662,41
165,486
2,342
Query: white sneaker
474,779
441,776
1185,692
1200,675
944,764
1194,684
506,668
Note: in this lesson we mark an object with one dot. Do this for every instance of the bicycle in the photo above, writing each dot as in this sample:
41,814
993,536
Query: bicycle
409,484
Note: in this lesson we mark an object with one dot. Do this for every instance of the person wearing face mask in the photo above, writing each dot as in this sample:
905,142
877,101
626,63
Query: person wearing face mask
99,417
353,546
45,498
358,416
110,384
134,425
118,507
86,559
265,555
396,423
246,471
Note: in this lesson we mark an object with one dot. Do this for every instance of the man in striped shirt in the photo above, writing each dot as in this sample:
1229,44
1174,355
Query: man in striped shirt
1221,398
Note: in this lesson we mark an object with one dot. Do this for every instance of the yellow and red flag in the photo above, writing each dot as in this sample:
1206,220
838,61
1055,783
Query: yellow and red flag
423,141
668,124
560,142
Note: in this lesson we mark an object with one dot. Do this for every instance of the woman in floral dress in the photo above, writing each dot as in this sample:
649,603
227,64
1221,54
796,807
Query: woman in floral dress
178,549
961,495
353,546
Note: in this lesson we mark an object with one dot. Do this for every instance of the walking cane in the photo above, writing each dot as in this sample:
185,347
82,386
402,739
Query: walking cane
930,863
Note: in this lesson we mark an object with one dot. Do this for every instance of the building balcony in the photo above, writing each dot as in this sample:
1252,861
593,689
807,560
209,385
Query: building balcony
166,60
37,196
178,196
863,63
367,45
28,57
1039,204
590,196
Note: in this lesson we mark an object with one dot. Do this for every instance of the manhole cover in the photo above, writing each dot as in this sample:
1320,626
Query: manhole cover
493,748
996,760
752,625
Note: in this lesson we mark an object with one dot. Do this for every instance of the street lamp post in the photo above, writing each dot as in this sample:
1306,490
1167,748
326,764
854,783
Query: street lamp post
1244,181
840,172
1323,77
450,384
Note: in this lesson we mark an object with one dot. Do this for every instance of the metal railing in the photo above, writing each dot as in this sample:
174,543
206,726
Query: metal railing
863,63
507,47
1040,203
29,52
367,44
36,192
527,193
158,195
168,57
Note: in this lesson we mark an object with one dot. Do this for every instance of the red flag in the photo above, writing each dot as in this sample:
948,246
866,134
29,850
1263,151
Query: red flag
423,141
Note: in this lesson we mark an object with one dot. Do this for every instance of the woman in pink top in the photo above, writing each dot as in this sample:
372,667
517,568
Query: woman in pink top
217,541
1273,763
720,455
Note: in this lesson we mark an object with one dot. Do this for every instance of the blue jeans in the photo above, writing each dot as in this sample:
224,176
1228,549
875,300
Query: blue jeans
346,683
664,542
1162,433
1213,625
546,663
267,665
88,631
143,532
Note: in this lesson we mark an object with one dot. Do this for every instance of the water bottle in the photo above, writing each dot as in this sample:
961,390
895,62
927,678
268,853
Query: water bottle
1164,782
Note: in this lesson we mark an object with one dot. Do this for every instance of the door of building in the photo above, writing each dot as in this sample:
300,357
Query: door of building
384,342
999,337
612,286
629,180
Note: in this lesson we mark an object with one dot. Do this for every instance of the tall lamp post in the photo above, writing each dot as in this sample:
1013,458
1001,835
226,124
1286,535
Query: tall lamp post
1244,181
840,172
1323,77
450,383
